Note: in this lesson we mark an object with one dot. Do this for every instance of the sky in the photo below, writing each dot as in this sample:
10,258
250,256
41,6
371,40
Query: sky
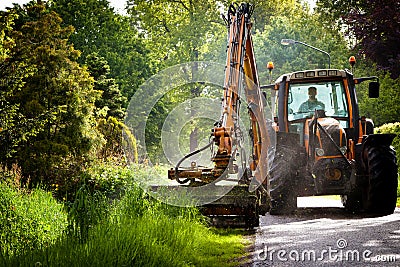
117,4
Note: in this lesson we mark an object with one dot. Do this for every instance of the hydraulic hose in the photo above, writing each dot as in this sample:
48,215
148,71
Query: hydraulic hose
188,156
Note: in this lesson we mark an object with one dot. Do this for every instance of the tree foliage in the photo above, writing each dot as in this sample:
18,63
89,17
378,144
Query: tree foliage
374,24
178,31
384,109
98,29
111,101
120,143
302,27
54,120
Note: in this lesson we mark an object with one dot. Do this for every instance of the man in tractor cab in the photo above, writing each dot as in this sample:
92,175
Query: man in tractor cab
312,103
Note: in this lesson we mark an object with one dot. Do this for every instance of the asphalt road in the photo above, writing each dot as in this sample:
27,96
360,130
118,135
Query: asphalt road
321,233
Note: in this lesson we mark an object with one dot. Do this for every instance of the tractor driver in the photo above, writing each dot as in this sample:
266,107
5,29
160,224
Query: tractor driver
312,103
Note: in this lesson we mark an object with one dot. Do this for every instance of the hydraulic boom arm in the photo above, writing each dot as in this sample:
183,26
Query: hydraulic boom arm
248,196
241,74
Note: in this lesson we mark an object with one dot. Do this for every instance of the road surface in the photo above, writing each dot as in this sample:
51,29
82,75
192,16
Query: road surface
321,233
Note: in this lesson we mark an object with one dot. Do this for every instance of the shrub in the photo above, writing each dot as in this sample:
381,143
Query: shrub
393,128
88,209
120,142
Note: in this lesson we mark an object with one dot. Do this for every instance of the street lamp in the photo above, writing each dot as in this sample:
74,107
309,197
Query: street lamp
290,42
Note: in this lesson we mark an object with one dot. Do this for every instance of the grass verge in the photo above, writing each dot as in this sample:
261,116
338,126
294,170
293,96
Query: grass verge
135,230
148,241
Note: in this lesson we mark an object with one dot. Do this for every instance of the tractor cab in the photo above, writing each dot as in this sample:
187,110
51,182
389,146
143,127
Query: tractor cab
302,96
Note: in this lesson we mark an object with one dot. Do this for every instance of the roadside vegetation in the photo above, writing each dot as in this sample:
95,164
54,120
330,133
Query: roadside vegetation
102,228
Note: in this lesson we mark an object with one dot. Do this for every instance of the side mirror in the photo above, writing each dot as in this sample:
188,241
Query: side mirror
373,90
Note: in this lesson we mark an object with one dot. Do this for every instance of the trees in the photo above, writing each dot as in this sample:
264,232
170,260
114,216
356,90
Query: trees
13,70
55,101
110,102
303,27
375,25
99,30
384,109
178,31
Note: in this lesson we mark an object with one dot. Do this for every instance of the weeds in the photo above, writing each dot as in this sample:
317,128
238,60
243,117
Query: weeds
86,211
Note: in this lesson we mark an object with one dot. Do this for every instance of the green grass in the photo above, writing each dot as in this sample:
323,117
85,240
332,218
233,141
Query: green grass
28,220
148,241
132,231
398,195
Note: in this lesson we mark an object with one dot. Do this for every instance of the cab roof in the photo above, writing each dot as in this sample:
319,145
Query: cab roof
311,74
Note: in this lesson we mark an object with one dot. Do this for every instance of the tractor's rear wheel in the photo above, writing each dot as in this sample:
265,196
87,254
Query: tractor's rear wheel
382,188
282,174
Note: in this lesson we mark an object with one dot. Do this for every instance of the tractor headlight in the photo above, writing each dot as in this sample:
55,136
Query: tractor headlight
343,149
320,152
333,174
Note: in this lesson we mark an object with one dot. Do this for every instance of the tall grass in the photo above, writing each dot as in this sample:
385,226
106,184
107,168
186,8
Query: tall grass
134,230
28,220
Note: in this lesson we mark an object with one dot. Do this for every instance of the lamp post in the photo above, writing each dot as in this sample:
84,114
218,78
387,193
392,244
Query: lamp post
290,42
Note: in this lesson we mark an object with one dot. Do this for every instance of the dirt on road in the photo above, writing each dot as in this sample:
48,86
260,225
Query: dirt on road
321,233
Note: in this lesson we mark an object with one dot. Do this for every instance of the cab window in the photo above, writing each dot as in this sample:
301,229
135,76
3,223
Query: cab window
305,98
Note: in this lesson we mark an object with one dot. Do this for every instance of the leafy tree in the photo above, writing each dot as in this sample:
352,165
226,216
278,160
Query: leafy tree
265,10
13,70
303,27
98,29
111,101
384,109
55,102
178,31
374,24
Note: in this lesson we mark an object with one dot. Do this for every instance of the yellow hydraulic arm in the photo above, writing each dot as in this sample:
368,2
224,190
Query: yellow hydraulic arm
241,74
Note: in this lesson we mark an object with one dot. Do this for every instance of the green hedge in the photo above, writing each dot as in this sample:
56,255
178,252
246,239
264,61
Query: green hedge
393,128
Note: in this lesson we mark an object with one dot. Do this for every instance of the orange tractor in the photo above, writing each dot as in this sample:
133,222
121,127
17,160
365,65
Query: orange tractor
324,147
321,145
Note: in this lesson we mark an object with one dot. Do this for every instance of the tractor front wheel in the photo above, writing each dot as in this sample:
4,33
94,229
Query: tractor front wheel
382,188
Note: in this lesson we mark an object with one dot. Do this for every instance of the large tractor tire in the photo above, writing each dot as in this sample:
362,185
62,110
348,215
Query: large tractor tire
382,188
282,181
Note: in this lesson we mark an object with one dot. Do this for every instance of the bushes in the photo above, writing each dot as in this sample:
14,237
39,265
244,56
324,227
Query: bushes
393,128
120,142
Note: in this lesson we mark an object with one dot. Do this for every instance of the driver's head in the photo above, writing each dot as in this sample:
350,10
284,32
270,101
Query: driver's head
312,91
